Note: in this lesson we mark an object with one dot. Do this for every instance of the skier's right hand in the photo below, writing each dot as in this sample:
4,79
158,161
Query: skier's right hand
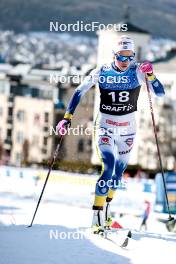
63,126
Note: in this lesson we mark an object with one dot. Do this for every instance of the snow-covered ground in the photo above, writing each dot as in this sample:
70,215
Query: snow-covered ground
58,234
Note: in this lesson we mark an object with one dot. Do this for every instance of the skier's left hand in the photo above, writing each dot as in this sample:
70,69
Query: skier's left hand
146,67
62,126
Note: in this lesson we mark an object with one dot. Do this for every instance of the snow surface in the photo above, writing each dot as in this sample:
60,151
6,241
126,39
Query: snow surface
59,231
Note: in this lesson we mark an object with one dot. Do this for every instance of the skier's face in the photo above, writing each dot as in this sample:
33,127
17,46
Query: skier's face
123,65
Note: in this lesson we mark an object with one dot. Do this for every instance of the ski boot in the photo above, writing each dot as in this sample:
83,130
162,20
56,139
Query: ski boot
107,213
98,222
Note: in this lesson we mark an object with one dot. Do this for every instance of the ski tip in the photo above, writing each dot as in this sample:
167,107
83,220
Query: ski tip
125,243
171,224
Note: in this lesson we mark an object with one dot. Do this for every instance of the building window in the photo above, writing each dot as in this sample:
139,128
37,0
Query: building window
10,111
89,145
81,145
45,141
20,137
9,132
21,116
44,151
45,129
46,117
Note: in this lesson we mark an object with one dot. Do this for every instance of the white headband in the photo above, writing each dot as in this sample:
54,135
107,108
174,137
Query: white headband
124,43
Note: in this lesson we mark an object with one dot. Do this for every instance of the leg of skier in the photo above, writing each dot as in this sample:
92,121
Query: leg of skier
105,149
124,146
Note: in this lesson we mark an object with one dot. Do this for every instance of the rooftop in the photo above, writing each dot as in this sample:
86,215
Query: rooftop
134,28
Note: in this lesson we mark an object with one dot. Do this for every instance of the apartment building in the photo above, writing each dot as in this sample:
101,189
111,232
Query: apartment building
31,119
78,144
26,112
30,106
165,115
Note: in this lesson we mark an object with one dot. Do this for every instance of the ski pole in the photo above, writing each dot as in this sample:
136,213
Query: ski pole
157,145
49,171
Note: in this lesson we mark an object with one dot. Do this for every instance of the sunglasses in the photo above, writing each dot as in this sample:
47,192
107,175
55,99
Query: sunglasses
124,58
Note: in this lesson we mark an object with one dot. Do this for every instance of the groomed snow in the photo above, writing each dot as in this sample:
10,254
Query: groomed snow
58,234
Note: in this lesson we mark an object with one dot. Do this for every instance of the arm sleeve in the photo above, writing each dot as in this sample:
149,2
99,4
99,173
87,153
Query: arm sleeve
154,84
88,82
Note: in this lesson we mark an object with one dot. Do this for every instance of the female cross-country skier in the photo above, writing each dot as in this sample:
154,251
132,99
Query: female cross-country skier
119,85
